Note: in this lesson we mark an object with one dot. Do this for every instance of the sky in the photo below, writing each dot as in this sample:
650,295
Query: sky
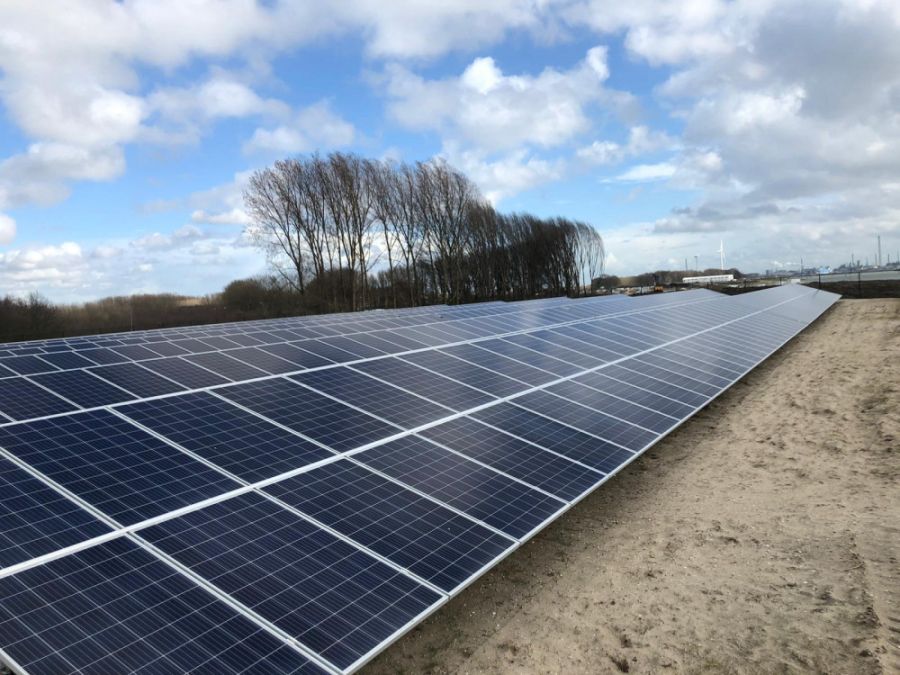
129,129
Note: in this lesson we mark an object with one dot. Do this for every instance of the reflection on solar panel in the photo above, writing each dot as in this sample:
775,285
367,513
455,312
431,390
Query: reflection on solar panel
236,500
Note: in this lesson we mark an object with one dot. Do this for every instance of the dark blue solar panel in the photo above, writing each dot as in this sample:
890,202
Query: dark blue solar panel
218,342
184,372
270,363
557,351
137,379
648,399
104,356
232,438
136,352
558,437
334,424
67,360
374,396
360,350
226,366
467,373
36,519
192,346
334,598
116,608
682,368
500,364
482,493
585,419
425,383
27,365
662,387
82,388
525,461
113,465
375,342
416,533
299,357
615,407
167,348
326,350
22,400
539,359
666,375
244,340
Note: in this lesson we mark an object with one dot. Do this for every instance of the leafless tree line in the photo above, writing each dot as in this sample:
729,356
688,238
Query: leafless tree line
355,233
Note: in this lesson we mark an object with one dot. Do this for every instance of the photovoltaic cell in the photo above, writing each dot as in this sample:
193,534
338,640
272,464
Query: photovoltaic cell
612,406
539,359
373,396
608,428
234,439
648,399
27,365
187,374
67,360
425,383
299,357
82,388
552,435
137,379
271,363
226,366
111,464
662,387
529,463
22,400
500,364
136,352
421,535
116,608
466,372
331,596
478,491
334,424
36,519
104,356
167,348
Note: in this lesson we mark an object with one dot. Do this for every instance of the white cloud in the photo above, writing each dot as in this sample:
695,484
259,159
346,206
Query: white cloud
492,111
7,229
648,172
506,175
314,127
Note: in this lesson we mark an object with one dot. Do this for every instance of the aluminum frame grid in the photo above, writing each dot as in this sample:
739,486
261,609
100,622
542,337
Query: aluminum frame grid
721,322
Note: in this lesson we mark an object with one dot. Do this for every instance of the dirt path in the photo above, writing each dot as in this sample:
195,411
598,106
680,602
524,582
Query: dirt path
763,536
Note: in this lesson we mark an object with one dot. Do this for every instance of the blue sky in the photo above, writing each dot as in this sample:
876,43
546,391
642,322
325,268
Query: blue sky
128,129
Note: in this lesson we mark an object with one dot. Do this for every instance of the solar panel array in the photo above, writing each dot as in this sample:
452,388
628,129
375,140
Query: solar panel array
290,496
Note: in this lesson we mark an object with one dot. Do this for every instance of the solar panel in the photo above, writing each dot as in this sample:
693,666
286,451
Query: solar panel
550,472
420,534
115,608
35,519
328,594
325,420
21,399
137,379
311,518
493,498
185,373
378,398
82,388
119,469
236,440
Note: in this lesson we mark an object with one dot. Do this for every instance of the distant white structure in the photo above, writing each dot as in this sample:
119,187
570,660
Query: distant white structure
721,253
711,279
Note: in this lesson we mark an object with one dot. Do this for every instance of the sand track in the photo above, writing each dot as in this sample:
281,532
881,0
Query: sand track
762,536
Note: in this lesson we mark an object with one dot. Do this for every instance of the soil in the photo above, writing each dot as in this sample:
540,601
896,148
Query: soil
763,536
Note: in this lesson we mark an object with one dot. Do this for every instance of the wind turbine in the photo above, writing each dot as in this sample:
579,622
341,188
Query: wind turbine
721,253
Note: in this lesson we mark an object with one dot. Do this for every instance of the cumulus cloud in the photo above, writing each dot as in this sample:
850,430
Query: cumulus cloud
7,229
493,111
314,127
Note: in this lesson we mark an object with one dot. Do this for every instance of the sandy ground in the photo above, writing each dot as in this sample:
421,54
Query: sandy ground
762,536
